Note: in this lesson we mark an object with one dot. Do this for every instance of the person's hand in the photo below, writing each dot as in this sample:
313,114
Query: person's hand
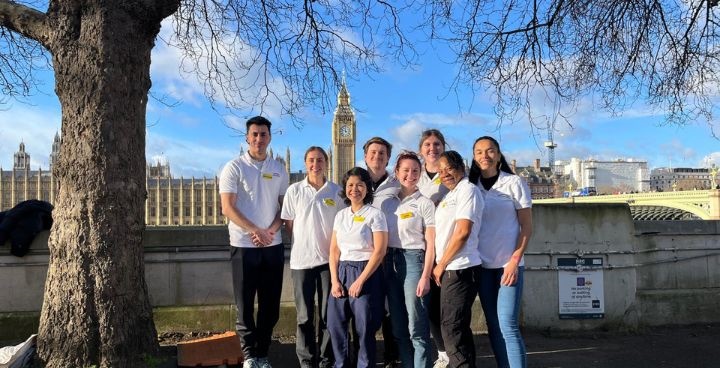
437,273
263,237
423,287
510,274
336,290
356,288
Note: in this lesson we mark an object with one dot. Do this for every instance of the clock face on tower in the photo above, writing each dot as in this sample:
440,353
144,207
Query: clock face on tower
344,131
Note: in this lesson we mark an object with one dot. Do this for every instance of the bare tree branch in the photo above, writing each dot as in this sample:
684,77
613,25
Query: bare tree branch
664,52
26,21
283,55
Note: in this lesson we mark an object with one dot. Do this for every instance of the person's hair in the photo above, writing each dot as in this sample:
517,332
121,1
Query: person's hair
316,148
475,174
432,133
257,120
364,175
378,140
407,155
455,161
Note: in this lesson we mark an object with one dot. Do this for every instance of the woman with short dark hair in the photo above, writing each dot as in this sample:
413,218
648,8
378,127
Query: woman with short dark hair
357,248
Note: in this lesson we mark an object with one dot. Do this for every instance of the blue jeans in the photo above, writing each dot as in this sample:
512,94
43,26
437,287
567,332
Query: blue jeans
403,269
501,305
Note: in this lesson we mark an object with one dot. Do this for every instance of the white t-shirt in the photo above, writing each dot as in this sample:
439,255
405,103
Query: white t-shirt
463,202
385,198
257,186
313,213
354,232
431,187
500,227
414,214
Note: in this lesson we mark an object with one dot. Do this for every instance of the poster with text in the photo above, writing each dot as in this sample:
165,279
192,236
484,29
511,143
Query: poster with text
581,293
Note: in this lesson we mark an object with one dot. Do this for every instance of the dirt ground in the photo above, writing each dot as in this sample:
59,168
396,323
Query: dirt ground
657,347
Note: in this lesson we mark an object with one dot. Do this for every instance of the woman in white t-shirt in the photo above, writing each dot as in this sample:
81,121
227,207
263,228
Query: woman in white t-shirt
432,145
504,236
457,223
357,248
408,264
309,210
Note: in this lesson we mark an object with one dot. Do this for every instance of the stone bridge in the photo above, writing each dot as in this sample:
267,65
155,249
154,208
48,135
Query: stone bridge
682,205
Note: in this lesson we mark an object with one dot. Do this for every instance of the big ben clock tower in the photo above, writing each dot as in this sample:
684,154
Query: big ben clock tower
343,136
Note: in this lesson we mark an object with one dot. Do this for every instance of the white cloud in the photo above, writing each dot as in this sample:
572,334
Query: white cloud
35,127
188,158
711,159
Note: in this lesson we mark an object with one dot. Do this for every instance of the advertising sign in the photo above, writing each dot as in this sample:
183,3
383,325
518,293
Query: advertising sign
580,285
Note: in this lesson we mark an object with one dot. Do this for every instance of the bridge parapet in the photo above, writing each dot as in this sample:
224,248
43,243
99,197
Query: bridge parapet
704,204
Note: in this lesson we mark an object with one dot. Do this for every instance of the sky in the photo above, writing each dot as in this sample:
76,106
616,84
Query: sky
397,104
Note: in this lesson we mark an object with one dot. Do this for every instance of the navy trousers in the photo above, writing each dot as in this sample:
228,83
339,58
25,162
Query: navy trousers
366,312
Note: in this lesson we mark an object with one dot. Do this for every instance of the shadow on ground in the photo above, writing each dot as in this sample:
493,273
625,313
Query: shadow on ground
657,347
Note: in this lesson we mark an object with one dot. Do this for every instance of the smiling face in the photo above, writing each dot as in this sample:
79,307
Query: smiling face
486,155
258,139
376,157
315,163
431,148
449,176
408,173
355,190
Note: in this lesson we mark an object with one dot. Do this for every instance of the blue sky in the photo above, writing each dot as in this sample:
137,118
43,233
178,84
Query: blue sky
396,104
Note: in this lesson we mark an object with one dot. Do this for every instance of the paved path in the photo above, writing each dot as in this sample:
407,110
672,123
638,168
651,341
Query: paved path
659,347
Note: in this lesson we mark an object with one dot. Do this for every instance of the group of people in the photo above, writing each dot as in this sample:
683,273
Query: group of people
411,248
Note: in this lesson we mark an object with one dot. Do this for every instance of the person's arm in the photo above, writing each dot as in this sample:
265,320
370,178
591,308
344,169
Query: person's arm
336,288
423,286
272,229
455,244
380,239
509,276
227,202
289,227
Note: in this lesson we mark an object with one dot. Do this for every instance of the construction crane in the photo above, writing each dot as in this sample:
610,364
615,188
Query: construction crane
551,145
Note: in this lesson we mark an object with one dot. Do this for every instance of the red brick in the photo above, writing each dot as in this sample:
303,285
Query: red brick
210,351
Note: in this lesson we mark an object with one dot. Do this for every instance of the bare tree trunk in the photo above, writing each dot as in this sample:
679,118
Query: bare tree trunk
96,309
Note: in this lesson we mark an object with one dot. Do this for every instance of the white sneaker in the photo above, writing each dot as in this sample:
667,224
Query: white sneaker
440,363
263,363
250,363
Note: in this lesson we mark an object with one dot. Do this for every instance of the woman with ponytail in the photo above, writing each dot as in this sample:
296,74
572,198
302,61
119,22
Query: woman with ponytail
504,235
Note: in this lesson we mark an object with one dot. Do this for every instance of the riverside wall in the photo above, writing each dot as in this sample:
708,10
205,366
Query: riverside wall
653,273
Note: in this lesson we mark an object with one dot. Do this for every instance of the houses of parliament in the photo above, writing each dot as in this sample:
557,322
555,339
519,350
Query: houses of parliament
177,201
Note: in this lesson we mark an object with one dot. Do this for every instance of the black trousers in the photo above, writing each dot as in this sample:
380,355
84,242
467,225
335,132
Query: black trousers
458,290
313,340
257,271
434,316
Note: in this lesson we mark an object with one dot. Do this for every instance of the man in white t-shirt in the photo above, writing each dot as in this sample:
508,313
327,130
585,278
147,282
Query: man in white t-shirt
251,192
385,189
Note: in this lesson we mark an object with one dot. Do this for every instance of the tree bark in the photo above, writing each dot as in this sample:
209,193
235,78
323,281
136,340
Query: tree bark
96,309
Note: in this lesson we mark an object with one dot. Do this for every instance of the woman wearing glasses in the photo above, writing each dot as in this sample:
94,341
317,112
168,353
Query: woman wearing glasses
457,224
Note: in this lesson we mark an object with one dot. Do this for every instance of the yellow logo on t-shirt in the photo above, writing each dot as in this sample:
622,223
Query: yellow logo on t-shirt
437,181
329,202
267,176
359,219
406,215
